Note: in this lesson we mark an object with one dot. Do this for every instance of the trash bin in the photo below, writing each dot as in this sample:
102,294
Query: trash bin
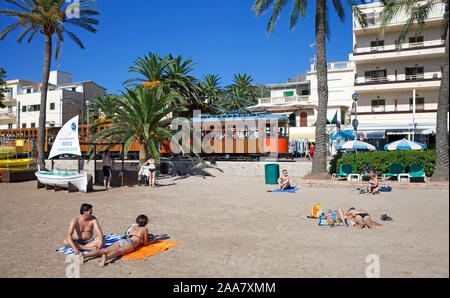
272,173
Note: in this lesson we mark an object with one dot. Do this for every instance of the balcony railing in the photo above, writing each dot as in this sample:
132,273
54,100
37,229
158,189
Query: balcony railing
403,47
7,115
400,78
374,20
284,100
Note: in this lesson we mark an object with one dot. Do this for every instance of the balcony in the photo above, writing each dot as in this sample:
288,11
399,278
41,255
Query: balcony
435,18
9,101
297,99
7,116
428,80
427,49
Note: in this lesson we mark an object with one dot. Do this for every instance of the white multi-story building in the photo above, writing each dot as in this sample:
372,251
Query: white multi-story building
299,99
392,79
65,100
398,85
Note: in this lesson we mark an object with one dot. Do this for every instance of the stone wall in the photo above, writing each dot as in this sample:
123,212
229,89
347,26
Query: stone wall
296,169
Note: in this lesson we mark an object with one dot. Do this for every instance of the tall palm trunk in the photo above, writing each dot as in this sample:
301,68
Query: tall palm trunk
319,164
442,138
144,153
43,109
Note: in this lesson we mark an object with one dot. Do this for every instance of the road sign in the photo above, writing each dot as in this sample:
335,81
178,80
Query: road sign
355,96
355,123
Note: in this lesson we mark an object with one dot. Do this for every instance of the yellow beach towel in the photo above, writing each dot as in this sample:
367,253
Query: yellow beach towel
149,250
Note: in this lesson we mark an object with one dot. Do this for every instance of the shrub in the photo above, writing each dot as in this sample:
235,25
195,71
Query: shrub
380,160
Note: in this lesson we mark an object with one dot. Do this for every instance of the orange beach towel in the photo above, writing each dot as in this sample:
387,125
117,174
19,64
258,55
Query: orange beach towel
149,250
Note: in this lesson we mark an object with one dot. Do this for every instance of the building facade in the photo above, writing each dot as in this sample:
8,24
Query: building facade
65,99
398,84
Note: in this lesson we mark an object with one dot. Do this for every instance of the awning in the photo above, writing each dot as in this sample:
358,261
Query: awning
375,135
428,131
332,116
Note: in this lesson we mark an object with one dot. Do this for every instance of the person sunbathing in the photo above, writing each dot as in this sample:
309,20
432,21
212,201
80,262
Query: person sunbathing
372,188
83,226
335,217
284,182
360,217
136,236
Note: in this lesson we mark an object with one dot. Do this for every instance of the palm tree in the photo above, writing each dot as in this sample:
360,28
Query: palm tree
210,91
239,95
49,17
152,68
2,87
319,164
417,13
141,114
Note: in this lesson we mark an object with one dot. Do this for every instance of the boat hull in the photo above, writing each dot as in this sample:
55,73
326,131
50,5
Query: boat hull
80,181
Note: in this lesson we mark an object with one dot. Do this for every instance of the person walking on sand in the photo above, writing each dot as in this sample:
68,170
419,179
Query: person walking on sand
307,154
107,168
152,171
138,235
84,226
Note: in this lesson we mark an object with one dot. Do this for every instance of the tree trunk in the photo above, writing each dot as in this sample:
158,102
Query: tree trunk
442,139
144,153
43,109
319,164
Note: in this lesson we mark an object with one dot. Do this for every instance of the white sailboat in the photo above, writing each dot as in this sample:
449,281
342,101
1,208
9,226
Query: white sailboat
66,142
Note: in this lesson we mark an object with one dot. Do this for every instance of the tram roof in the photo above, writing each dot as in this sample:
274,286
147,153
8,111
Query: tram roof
239,117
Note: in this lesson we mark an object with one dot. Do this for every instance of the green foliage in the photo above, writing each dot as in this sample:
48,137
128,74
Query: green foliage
3,89
380,160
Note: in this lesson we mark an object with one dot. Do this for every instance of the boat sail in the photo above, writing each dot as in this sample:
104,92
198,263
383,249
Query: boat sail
66,142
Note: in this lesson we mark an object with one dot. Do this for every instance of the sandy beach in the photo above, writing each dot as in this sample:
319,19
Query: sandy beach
231,227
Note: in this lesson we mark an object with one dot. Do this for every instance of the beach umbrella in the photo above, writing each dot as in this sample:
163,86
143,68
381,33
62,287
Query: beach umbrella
404,145
355,144
343,135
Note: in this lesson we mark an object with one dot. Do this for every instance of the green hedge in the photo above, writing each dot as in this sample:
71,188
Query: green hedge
380,160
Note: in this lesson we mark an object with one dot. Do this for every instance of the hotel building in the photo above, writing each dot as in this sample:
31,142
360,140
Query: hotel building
398,85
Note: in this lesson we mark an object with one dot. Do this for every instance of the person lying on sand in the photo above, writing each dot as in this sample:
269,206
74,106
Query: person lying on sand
361,218
84,226
334,217
372,188
138,235
284,182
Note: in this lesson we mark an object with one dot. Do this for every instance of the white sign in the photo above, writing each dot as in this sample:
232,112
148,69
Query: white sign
67,140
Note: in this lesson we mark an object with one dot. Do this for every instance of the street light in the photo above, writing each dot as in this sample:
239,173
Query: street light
87,104
355,123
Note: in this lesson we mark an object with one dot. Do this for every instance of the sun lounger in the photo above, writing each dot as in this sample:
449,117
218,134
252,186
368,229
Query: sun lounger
416,171
344,171
394,170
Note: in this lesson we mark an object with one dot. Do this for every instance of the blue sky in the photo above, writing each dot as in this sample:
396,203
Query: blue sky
222,37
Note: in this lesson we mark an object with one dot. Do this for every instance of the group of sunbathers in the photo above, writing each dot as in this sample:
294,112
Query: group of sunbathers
357,217
84,225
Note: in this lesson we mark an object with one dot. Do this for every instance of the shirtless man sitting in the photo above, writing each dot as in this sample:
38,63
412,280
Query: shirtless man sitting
84,226
361,217
284,182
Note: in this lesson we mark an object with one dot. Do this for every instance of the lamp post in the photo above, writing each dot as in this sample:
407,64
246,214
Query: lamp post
355,123
87,104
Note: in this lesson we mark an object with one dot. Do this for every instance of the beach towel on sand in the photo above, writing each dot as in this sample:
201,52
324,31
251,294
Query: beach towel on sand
323,221
295,188
140,253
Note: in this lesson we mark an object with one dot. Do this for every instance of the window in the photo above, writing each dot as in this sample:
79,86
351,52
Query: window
29,90
375,76
303,119
33,125
24,108
10,125
52,106
24,125
416,41
376,45
414,73
378,105
74,88
10,92
420,104
288,93
292,120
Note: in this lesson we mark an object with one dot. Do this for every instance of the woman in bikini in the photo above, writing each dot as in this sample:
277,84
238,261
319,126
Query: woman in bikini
152,169
372,188
361,218
136,236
